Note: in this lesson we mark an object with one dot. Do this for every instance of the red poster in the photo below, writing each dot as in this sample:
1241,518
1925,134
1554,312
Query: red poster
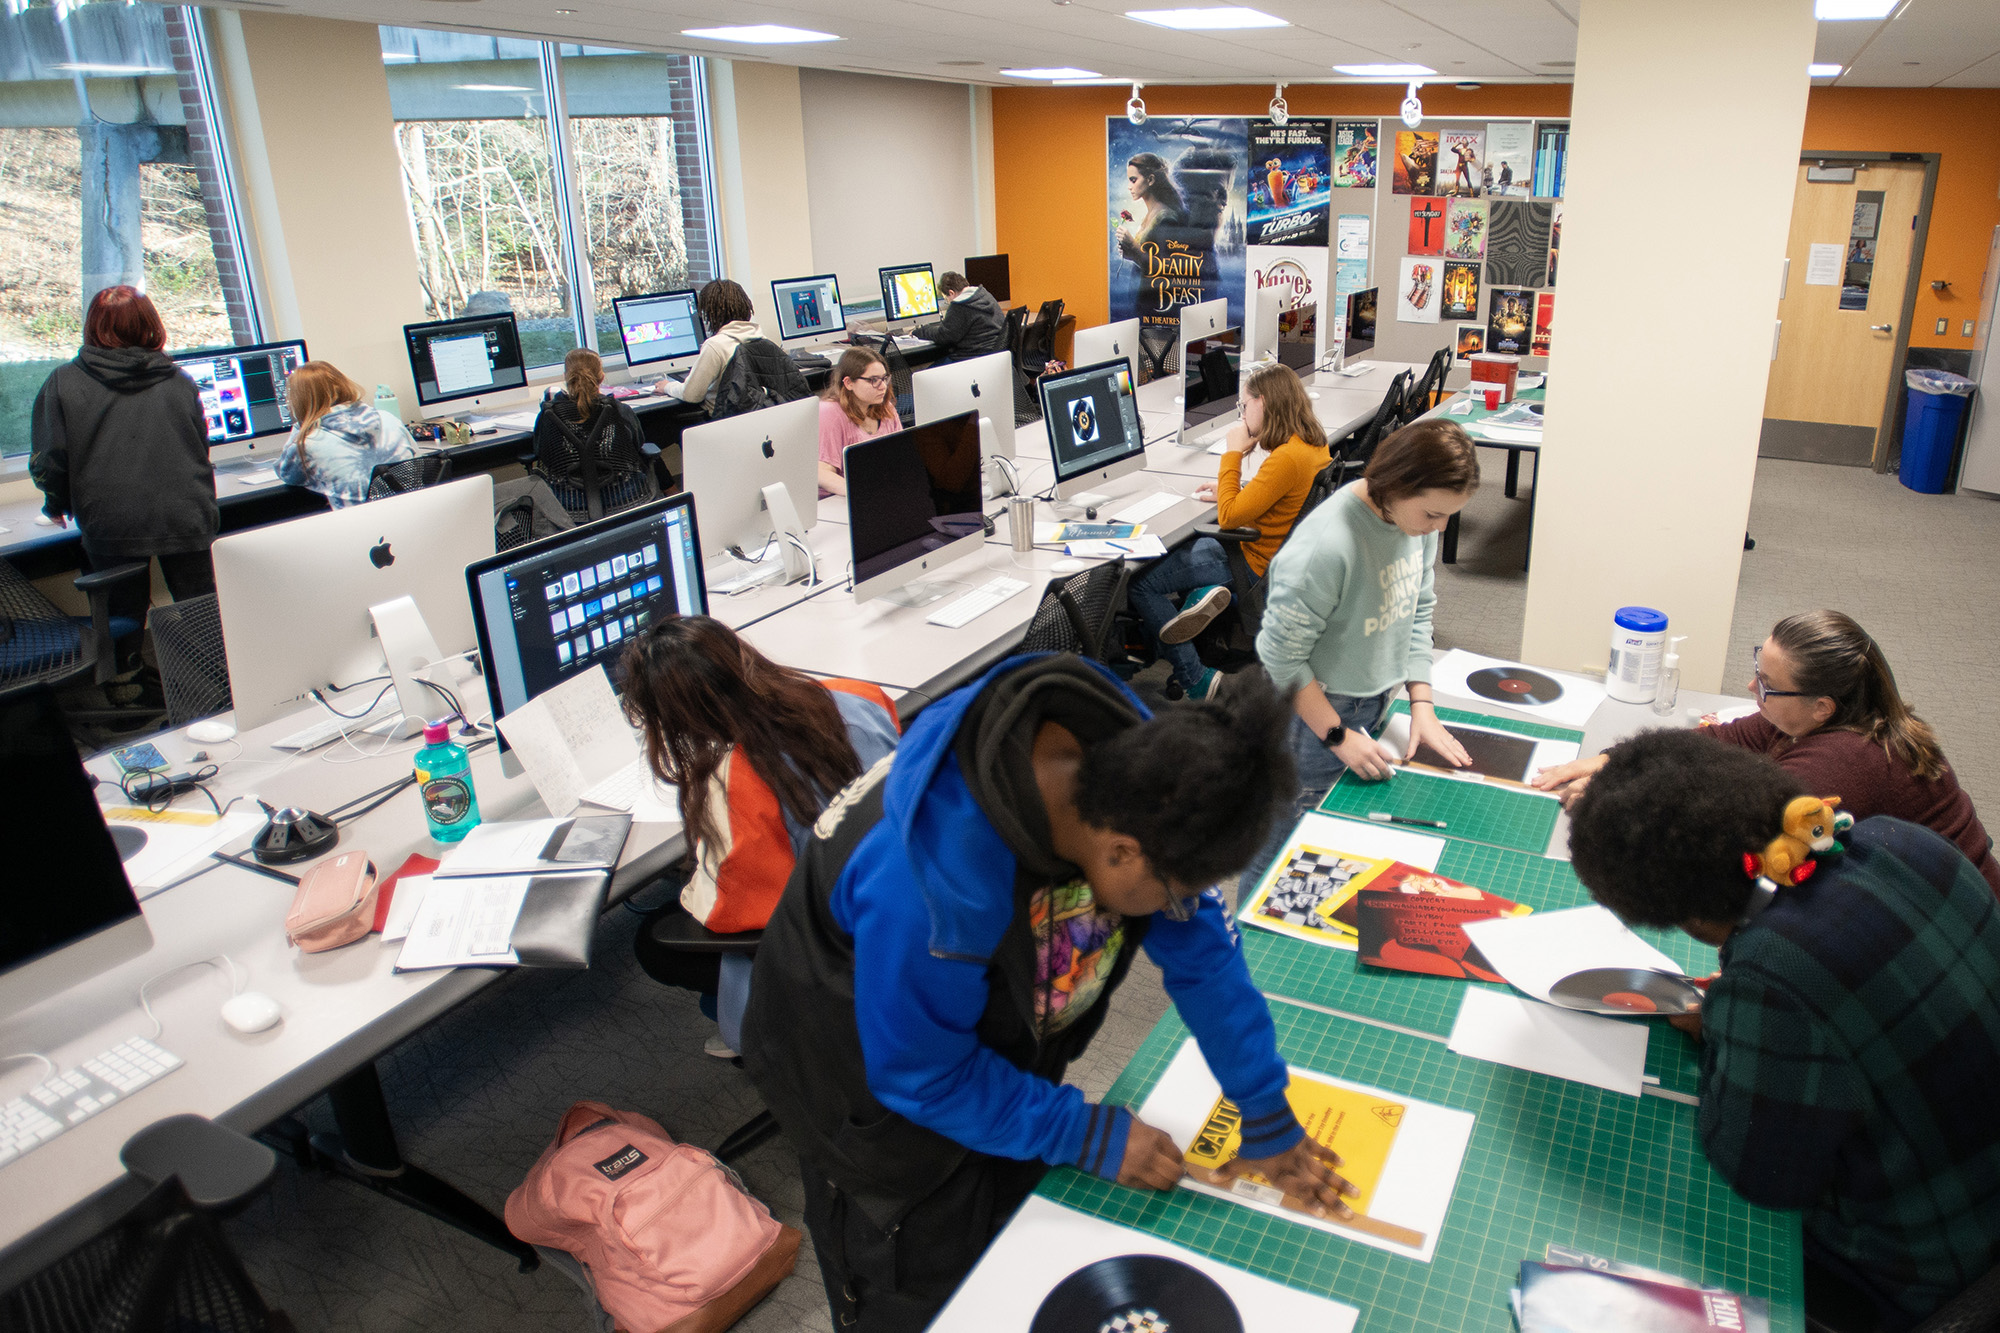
1426,224
1545,318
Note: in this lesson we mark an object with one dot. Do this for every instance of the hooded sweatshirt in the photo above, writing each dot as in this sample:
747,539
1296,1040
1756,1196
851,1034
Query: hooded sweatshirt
933,966
120,442
340,455
973,325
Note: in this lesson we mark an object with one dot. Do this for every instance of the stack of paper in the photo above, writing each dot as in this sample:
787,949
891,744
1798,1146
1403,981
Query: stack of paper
577,746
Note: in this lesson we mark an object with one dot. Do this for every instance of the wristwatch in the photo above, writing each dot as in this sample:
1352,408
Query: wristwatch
1335,735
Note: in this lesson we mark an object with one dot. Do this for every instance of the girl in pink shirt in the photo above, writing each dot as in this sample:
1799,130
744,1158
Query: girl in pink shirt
856,406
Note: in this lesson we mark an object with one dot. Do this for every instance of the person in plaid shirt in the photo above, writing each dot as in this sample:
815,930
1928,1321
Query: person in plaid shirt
1851,1041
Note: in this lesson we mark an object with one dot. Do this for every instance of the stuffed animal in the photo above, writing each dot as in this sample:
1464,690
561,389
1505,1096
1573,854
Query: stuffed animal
1811,825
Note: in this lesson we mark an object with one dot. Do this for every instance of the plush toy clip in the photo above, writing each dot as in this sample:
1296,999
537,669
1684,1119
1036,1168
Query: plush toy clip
1811,825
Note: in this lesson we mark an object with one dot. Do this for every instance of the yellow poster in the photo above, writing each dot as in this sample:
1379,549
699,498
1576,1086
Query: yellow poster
1309,894
1360,1126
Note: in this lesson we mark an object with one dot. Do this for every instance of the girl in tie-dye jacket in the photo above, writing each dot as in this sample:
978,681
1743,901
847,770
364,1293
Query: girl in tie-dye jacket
337,440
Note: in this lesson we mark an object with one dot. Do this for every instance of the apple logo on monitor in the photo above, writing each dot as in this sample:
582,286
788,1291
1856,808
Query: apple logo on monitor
380,556
769,452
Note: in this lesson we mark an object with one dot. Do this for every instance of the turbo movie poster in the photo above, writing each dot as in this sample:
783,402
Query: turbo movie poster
1291,181
1175,224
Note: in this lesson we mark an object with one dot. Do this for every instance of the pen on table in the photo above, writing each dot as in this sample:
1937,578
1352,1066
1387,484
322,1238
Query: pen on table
1384,817
1119,547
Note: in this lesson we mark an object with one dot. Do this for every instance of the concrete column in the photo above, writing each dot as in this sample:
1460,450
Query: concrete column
111,249
1684,146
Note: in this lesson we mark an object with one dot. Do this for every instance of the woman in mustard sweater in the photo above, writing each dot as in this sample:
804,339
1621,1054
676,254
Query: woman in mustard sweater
1189,587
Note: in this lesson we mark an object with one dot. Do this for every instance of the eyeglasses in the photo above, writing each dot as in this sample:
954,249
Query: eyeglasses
877,380
1763,691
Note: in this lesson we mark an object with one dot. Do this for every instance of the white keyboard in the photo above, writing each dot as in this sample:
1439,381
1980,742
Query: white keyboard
1141,510
959,614
69,1099
621,789
330,728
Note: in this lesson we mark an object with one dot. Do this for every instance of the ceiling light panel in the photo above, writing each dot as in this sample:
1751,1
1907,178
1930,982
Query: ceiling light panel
1839,11
1207,20
760,34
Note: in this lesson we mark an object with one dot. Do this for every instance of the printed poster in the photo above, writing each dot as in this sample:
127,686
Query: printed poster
1354,155
1461,162
1349,275
1471,342
1426,224
1510,320
1297,274
1350,236
1545,318
1461,291
1416,290
1416,162
1291,181
1175,224
1465,229
1517,243
1551,160
1555,241
1510,158
1301,895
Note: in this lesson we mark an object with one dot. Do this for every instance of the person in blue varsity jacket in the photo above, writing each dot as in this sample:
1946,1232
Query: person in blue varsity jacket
951,937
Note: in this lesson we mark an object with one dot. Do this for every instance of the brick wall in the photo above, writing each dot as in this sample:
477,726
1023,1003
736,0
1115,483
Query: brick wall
688,134
204,153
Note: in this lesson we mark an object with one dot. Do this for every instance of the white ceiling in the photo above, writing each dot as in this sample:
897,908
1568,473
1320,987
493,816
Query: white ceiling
1929,43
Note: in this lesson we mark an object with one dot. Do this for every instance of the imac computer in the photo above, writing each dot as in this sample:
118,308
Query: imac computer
296,597
913,506
1298,336
1201,320
1093,424
557,607
808,307
983,386
67,911
731,463
1106,342
664,326
1209,389
1261,314
990,272
909,292
1360,323
243,388
471,357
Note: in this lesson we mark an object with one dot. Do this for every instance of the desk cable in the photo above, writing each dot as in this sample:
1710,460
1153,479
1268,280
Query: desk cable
47,1063
235,985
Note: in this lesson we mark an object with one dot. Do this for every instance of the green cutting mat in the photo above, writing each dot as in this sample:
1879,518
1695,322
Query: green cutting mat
1549,1161
1541,731
1478,811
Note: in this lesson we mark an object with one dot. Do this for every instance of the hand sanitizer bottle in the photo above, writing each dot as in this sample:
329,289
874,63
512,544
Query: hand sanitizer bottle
444,782
1669,693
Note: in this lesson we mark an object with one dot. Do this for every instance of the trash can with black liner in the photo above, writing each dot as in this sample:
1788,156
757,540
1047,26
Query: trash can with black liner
1930,427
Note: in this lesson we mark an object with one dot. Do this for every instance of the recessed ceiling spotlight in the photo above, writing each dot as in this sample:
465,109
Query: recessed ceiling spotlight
565,11
1385,71
1467,87
1558,64
762,34
1063,72
1913,62
1835,11
1207,20
1822,71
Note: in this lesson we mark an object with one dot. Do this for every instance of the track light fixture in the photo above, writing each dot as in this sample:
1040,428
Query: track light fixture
1135,110
1280,113
1413,107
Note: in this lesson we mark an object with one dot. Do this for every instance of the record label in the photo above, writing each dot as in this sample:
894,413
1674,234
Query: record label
1513,685
1137,1293
1626,990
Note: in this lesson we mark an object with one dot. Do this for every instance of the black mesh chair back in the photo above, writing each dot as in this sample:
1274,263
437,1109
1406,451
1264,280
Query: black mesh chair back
37,641
1017,329
194,671
1358,448
899,379
1038,343
1077,613
1423,395
606,472
412,474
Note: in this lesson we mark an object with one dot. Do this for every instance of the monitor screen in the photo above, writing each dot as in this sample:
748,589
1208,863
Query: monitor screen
912,492
909,292
658,327
808,307
554,609
1361,321
243,388
463,358
1298,336
990,272
1092,418
1213,366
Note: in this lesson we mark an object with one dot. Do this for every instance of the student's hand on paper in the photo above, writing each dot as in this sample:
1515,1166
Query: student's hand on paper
1304,1172
1425,729
1690,1022
1365,756
1567,780
1152,1161
1238,440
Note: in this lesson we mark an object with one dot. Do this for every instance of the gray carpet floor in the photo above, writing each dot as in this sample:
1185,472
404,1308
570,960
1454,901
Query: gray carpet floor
477,1095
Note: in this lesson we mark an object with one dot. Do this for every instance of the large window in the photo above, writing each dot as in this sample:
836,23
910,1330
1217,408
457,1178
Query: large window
549,215
108,174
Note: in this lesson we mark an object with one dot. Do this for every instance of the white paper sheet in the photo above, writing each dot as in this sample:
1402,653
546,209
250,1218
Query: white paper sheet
1511,1030
1370,839
461,921
176,847
1535,952
405,897
1823,264
498,848
1580,695
1547,753
571,738
1046,1242
1143,547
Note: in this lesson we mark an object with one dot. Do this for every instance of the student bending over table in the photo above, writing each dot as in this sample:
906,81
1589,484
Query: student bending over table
337,440
1277,418
1828,710
856,406
1851,1042
956,926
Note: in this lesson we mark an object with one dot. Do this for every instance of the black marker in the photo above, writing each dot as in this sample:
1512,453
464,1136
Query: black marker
1383,817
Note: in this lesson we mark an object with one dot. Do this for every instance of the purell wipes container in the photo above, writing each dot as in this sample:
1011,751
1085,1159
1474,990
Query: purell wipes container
1638,638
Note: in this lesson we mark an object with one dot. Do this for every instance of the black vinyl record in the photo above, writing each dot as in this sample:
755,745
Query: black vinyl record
1137,1293
1513,685
1626,990
126,839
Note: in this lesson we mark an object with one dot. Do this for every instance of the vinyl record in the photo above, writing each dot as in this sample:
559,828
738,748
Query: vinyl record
1626,990
1137,1293
126,839
1513,685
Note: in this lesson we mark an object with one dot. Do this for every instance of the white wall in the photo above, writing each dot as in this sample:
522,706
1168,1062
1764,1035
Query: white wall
760,159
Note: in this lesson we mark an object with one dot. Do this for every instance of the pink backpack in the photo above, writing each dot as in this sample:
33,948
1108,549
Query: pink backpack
667,1232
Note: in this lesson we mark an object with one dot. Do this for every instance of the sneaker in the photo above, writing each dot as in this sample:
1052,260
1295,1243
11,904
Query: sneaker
718,1048
1202,606
1207,687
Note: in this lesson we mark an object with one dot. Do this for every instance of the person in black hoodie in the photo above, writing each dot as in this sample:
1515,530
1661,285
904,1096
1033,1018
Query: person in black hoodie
121,444
973,323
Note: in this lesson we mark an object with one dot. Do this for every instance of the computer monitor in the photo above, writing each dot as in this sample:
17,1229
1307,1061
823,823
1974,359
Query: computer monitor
1200,320
243,388
1261,312
295,596
67,911
1214,373
464,358
729,463
983,386
555,608
808,307
1093,424
659,327
990,272
1298,336
1360,322
913,505
909,291
1106,341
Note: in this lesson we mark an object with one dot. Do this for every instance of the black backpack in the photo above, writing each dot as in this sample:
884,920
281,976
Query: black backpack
758,375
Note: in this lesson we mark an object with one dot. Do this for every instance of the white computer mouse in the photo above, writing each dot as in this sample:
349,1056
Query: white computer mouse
44,521
252,1011
1068,566
211,731
1312,394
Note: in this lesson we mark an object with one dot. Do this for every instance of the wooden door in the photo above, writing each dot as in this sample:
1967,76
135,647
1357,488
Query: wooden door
1833,375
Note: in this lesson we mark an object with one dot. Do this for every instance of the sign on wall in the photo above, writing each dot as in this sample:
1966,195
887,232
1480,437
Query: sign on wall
1296,275
1291,181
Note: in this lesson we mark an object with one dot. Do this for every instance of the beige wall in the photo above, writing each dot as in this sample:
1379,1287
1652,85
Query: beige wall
759,143
1650,448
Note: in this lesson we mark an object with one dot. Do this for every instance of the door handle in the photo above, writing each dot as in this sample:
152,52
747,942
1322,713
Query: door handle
1881,328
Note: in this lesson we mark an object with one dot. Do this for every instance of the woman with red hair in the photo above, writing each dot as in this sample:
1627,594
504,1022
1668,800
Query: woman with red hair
121,445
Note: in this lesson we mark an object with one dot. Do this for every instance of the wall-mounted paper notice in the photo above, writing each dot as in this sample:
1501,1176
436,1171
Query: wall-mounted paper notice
1823,265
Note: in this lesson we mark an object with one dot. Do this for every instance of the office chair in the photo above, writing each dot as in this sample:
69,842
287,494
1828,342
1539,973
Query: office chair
194,670
526,510
412,474
1038,340
1354,452
1026,409
1079,613
1429,387
613,471
899,379
39,644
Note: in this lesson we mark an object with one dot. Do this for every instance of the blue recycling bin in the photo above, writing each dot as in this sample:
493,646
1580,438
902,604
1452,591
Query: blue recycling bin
1930,427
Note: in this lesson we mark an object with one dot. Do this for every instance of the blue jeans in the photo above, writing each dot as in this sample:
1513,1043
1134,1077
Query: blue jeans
1157,594
1319,768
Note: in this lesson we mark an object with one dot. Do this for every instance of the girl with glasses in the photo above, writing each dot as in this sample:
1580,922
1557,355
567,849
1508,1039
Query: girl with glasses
856,406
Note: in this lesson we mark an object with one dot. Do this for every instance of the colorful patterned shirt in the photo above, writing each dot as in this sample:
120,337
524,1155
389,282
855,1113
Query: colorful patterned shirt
1076,944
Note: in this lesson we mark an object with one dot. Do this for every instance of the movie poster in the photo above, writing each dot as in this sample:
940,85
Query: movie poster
1545,318
1465,229
1354,155
1426,224
1297,276
1510,320
1349,275
1416,290
1510,158
1416,162
1471,342
1175,224
1461,160
1461,291
1291,181
1555,242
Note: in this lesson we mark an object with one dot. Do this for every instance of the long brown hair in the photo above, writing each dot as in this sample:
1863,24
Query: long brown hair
1834,657
853,365
1427,455
1287,410
313,390
583,373
697,690
1159,186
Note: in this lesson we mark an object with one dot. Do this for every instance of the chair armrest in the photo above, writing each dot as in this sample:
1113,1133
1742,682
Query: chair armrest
682,933
97,586
649,449
219,1168
107,579
1232,535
